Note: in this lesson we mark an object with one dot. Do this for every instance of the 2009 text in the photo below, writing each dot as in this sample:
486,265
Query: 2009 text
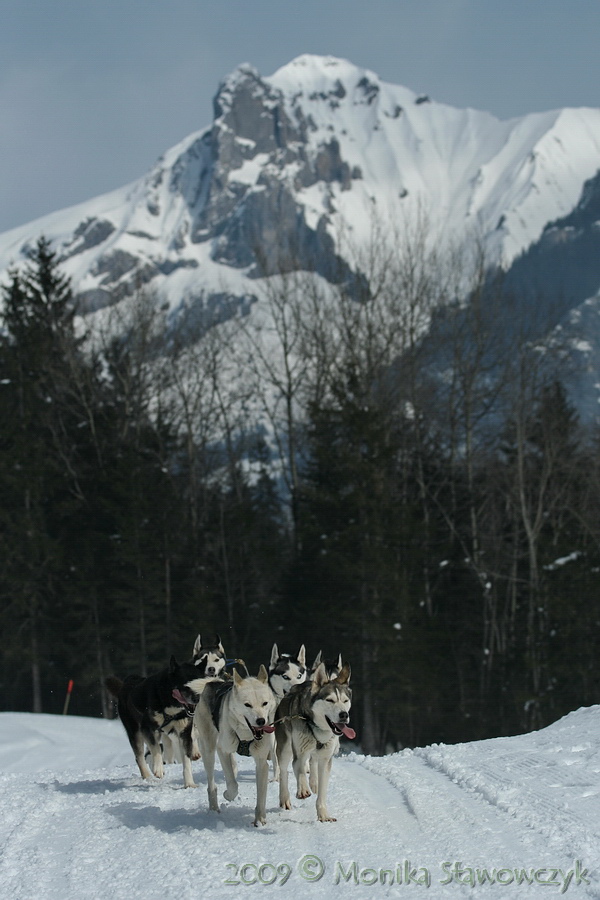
311,868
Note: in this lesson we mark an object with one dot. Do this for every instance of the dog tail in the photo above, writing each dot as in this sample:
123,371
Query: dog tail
114,685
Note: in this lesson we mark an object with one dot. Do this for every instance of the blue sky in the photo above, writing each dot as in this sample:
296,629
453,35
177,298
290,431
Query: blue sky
91,92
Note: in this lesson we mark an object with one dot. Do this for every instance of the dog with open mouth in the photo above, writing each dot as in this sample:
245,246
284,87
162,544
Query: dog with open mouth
161,704
310,720
236,717
209,660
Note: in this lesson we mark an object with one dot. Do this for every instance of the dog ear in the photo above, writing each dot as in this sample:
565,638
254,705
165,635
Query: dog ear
344,676
319,679
197,646
302,656
173,664
263,674
274,656
237,678
219,644
317,661
339,662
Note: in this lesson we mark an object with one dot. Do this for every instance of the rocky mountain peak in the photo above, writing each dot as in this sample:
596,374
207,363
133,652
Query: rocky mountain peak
293,159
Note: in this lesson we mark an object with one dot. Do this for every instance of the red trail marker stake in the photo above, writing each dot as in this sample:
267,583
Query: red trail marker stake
68,696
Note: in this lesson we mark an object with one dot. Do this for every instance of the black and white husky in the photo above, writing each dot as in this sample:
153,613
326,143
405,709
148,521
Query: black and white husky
209,658
236,717
285,671
210,661
310,720
161,704
333,667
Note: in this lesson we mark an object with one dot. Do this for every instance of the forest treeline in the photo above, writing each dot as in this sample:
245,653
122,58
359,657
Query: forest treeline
317,471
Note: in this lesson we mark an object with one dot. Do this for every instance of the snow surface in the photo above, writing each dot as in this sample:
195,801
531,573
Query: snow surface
509,817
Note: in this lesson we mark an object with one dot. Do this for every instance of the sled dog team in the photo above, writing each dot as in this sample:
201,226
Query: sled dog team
288,713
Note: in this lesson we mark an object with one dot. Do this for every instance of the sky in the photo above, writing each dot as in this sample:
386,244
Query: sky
93,91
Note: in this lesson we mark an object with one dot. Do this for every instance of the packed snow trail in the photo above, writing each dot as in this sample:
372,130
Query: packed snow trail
442,821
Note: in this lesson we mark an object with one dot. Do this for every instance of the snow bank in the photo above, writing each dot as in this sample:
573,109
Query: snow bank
512,817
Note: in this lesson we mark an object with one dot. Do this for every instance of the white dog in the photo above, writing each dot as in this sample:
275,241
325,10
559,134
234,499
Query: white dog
235,717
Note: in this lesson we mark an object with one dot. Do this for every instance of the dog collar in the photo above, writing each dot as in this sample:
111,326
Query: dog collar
244,746
215,701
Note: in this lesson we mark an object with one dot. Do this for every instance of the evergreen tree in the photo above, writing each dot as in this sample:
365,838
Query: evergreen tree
38,352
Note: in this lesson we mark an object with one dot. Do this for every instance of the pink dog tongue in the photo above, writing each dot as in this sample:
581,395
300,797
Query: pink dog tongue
268,728
179,696
348,732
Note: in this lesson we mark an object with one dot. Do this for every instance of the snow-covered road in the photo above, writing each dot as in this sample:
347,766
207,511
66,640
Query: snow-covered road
511,816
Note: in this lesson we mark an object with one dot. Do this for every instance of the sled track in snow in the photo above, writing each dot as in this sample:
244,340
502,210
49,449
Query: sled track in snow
100,832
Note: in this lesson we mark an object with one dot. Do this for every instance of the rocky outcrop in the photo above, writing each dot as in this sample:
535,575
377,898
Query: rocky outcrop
259,224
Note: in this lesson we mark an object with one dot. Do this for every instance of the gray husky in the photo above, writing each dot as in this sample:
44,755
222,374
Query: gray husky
235,717
310,720
333,667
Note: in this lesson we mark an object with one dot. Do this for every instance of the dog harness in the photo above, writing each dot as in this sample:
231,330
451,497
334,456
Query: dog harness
138,715
176,717
216,700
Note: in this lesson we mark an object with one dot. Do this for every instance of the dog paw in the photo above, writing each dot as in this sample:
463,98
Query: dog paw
285,804
326,818
196,756
302,794
230,795
192,784
159,772
313,786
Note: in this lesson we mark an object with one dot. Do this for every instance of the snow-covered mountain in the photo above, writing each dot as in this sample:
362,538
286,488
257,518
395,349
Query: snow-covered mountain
294,160
516,817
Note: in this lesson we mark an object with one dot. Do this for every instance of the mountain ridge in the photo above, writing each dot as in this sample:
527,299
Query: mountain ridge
292,159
